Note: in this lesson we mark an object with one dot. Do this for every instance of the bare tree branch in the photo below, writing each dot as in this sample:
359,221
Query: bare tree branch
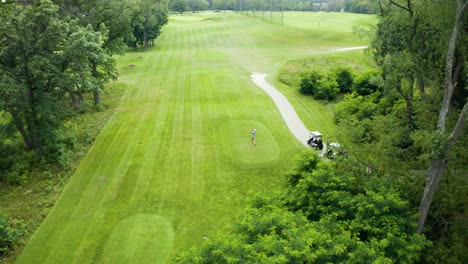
458,127
408,8
463,7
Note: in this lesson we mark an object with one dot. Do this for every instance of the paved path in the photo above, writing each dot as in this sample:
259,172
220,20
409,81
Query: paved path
351,48
294,123
290,117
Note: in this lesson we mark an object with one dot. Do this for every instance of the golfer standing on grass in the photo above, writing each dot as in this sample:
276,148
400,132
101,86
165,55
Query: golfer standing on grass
253,133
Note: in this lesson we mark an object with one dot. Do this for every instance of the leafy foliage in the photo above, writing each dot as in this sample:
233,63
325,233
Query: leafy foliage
344,78
391,122
198,5
223,5
56,58
310,82
148,18
327,215
9,234
320,86
368,82
179,6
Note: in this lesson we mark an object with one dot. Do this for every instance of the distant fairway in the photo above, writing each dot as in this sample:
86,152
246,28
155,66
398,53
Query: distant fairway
175,163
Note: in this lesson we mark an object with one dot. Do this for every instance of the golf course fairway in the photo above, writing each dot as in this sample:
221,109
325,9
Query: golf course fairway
174,164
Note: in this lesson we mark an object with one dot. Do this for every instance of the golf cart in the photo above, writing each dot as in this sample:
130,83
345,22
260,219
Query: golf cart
335,149
315,140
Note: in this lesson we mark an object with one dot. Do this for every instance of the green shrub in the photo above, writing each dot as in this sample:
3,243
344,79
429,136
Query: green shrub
10,233
327,87
368,220
60,150
320,86
310,81
305,161
368,82
344,78
15,163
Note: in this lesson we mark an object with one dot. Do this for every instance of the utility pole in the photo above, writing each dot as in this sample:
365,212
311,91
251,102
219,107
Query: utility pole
247,7
271,12
282,16
263,7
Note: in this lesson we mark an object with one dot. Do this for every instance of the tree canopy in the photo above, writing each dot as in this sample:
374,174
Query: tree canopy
43,59
52,54
179,6
415,122
327,214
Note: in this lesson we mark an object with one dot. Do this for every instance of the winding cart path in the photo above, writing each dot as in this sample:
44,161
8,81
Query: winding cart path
290,117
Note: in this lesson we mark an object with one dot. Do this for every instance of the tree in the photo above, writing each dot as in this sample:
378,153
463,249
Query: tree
358,210
398,73
179,6
42,59
310,82
111,18
445,142
367,82
198,5
320,86
86,66
223,4
360,6
344,78
150,17
421,48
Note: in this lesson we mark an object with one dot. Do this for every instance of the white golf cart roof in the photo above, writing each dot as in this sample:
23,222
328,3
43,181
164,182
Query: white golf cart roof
315,134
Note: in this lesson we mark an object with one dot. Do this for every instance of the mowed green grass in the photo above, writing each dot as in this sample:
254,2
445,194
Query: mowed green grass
175,163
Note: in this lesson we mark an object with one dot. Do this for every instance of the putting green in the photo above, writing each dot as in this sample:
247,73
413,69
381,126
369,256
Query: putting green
142,238
237,144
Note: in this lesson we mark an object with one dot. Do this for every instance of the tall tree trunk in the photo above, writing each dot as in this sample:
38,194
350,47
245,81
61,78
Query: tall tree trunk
20,126
74,100
437,165
458,67
421,85
32,122
96,92
145,34
409,103
96,97
80,96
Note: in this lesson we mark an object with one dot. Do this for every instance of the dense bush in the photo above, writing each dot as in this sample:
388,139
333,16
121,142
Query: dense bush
320,86
61,151
15,163
356,106
327,88
344,78
9,235
310,82
368,82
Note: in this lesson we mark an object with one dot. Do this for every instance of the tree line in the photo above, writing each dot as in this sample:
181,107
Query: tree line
352,6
